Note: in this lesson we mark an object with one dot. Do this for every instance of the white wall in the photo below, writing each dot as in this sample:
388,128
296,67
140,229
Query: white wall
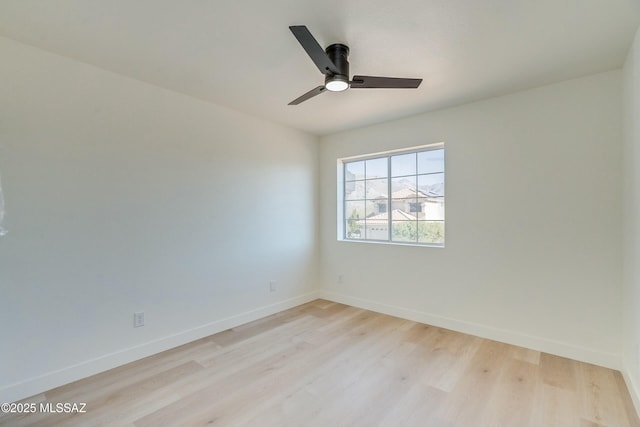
125,197
631,292
533,231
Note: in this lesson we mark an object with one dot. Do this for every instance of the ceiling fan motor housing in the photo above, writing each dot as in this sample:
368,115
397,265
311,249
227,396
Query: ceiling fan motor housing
338,54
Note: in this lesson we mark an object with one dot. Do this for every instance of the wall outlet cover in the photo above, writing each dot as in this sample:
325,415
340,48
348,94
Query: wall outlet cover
138,319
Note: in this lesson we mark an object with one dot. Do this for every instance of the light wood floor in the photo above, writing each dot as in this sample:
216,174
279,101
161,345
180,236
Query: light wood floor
326,364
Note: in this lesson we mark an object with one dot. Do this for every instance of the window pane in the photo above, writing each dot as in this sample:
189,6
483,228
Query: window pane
404,164
377,188
369,208
421,207
431,232
432,185
433,209
377,226
431,161
378,209
354,219
354,229
354,170
377,168
354,190
400,210
403,188
404,231
354,210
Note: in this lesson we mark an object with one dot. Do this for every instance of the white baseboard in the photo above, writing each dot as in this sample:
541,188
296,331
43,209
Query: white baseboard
42,383
608,360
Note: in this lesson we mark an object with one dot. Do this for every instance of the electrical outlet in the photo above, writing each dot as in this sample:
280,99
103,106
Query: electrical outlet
138,319
340,278
273,286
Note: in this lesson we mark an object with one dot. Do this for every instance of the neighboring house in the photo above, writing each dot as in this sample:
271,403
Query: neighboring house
423,205
407,204
377,226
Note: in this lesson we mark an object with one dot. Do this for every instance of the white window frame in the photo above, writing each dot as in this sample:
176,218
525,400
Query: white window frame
341,202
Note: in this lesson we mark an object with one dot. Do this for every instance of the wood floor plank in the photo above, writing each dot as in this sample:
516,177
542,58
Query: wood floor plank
623,391
421,406
335,372
555,407
510,404
328,364
525,354
449,358
558,371
599,396
464,406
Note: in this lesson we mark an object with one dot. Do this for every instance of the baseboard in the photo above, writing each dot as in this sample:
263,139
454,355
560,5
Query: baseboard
632,386
608,360
40,384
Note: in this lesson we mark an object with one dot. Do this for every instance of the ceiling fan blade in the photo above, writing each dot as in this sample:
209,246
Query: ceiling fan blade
314,50
371,82
313,92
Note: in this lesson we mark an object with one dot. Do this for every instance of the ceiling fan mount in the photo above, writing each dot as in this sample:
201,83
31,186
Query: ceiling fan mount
333,63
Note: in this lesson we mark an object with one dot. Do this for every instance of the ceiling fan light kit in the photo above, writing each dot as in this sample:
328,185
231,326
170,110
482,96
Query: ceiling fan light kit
336,83
332,62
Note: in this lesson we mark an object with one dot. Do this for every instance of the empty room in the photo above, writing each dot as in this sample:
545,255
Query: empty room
341,213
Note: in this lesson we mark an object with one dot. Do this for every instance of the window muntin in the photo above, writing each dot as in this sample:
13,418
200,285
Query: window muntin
395,197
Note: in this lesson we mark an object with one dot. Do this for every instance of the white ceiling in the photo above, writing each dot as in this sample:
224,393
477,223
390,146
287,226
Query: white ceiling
241,54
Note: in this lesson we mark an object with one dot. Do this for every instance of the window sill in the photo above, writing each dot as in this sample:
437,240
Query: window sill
380,242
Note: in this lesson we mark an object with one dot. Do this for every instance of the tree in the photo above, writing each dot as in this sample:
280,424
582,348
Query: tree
420,231
433,232
353,224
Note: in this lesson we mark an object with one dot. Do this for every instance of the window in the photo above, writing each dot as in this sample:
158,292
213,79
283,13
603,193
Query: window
395,197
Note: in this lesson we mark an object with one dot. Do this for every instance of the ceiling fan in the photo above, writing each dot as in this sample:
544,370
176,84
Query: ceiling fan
332,62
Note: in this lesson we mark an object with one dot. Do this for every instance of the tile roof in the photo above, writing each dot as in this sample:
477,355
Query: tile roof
383,218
